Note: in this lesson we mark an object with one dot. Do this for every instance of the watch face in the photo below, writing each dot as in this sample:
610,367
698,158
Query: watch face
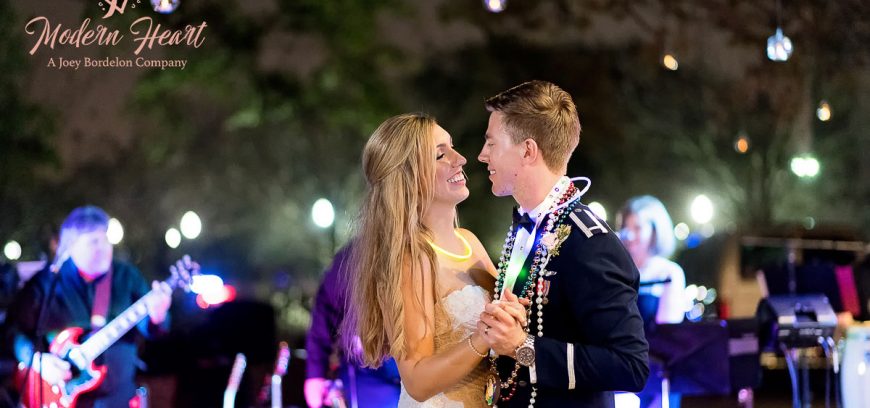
526,356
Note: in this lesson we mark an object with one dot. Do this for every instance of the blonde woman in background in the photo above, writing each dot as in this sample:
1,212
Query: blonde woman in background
647,232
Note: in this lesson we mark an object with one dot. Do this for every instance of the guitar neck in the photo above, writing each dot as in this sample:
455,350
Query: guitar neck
235,378
117,328
272,383
280,369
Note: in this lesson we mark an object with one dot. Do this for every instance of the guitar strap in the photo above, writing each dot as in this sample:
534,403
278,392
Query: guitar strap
102,295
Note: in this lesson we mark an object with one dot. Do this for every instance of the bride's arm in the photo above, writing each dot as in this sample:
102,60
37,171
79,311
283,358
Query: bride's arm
425,373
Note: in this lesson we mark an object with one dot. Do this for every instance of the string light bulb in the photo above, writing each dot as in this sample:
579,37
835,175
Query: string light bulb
742,143
779,46
823,112
670,62
495,6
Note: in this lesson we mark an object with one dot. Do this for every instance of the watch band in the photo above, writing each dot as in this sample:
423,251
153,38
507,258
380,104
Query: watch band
527,351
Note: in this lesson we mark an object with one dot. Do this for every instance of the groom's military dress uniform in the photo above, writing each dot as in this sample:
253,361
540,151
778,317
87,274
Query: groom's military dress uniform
593,341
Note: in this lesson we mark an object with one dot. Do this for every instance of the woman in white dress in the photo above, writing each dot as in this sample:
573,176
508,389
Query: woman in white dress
421,283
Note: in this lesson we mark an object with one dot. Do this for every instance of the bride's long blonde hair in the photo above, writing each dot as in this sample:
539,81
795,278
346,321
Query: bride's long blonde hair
399,166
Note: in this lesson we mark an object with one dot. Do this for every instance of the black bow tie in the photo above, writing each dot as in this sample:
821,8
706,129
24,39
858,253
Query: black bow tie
523,220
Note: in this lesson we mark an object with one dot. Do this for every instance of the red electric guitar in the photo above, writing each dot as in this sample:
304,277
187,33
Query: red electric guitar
38,393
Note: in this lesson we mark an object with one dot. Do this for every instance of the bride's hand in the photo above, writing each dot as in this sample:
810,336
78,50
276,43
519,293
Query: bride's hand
482,334
514,306
502,325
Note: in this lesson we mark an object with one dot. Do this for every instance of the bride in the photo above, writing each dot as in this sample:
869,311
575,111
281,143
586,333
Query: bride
421,283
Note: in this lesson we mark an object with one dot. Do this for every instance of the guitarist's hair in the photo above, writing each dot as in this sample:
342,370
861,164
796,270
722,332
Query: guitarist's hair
80,221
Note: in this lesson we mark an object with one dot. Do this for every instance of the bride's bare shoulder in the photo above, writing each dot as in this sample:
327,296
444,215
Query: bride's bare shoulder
483,260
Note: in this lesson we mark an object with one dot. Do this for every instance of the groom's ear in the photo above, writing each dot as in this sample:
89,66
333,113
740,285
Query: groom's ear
531,152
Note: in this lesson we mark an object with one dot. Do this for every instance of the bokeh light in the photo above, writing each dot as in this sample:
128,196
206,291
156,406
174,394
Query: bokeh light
173,238
12,250
191,225
598,210
702,209
115,232
670,62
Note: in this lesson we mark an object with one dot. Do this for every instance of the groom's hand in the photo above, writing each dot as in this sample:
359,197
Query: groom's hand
502,324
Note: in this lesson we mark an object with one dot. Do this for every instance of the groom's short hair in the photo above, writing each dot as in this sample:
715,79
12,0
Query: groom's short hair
543,112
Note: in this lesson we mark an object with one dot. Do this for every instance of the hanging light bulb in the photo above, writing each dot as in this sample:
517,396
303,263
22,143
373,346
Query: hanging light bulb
779,46
741,144
670,62
495,6
824,111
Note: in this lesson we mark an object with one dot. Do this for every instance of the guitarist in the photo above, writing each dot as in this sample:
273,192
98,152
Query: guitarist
362,387
89,289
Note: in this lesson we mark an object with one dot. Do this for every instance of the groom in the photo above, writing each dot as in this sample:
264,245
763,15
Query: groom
562,268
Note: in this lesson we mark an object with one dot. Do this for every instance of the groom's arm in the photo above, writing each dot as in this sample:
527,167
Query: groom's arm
613,356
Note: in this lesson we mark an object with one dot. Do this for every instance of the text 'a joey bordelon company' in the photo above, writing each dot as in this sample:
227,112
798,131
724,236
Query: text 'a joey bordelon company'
145,33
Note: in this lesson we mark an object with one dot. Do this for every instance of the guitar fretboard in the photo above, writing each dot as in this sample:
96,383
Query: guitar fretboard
118,327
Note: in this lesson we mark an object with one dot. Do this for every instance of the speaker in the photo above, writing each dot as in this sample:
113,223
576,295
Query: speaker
795,321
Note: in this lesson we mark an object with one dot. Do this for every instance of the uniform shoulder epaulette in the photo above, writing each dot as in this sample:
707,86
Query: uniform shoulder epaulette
588,222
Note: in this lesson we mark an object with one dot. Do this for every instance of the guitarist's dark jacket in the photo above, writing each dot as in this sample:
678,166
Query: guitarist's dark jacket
71,306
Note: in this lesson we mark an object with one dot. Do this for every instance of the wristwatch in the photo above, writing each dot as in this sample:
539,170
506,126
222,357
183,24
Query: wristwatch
526,352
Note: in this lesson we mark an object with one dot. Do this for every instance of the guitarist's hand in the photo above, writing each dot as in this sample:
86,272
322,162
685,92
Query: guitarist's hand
51,368
315,391
159,304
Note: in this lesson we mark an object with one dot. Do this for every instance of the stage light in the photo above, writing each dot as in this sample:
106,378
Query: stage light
12,250
173,238
681,231
779,47
323,213
670,62
227,293
741,145
701,209
598,210
203,284
495,6
805,166
191,225
115,232
823,112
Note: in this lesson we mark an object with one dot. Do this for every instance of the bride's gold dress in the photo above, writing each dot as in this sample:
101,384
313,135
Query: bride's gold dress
458,320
